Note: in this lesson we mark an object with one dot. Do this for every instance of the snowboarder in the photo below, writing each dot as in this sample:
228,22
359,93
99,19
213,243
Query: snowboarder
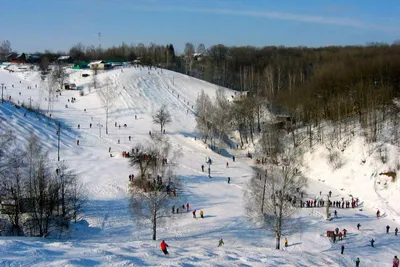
358,262
286,242
342,250
395,262
194,214
372,242
187,207
395,231
220,243
164,246
358,226
229,180
387,229
202,214
202,168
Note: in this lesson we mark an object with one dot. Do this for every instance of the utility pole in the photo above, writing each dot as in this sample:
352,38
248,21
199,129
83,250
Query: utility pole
2,86
263,196
59,137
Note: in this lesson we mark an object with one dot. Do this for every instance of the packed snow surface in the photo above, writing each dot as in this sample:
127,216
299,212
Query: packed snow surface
107,235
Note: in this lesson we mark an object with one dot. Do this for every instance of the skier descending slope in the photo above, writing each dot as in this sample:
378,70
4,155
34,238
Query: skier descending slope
164,246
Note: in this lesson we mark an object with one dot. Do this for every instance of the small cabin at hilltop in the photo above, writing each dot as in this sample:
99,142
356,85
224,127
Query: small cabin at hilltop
100,65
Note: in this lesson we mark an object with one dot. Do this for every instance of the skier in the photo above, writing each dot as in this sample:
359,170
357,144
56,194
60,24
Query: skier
387,229
342,250
358,262
220,243
129,138
90,125
229,180
202,168
372,242
227,164
77,142
286,242
358,226
209,172
201,214
109,149
164,246
173,209
378,214
395,231
330,193
335,213
233,158
187,207
194,214
340,236
395,262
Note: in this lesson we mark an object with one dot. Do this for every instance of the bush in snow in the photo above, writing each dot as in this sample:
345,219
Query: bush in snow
335,159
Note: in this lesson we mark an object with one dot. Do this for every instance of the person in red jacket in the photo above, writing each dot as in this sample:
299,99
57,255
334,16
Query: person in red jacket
187,207
164,246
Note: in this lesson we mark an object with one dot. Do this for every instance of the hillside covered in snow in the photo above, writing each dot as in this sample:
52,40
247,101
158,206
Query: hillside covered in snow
107,235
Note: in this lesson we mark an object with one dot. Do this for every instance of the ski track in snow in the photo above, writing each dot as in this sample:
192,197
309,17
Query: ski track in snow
107,234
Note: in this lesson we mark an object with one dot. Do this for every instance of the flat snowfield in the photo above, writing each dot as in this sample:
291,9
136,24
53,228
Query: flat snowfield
107,234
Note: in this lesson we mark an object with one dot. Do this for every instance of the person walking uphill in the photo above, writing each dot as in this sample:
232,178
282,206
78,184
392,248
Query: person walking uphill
220,243
194,214
164,246
358,262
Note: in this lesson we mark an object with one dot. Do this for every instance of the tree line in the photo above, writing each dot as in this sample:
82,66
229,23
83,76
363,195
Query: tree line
38,197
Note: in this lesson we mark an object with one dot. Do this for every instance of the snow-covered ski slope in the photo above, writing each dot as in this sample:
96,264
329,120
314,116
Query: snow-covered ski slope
107,234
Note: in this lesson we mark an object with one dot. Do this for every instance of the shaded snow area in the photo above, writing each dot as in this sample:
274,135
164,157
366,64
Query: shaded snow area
107,235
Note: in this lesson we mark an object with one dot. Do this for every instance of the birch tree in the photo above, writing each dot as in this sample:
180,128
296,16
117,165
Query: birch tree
108,95
268,195
204,112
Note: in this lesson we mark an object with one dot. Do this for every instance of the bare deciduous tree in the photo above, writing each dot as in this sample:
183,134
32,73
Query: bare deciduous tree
108,95
204,112
5,49
59,75
12,189
151,204
44,64
162,117
269,193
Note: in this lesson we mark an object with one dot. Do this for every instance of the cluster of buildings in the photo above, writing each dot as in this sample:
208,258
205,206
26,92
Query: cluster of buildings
23,58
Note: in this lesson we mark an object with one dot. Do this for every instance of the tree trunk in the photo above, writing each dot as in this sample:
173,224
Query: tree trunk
154,222
106,121
278,241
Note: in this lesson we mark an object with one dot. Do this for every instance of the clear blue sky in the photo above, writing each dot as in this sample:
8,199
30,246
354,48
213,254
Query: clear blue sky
35,25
